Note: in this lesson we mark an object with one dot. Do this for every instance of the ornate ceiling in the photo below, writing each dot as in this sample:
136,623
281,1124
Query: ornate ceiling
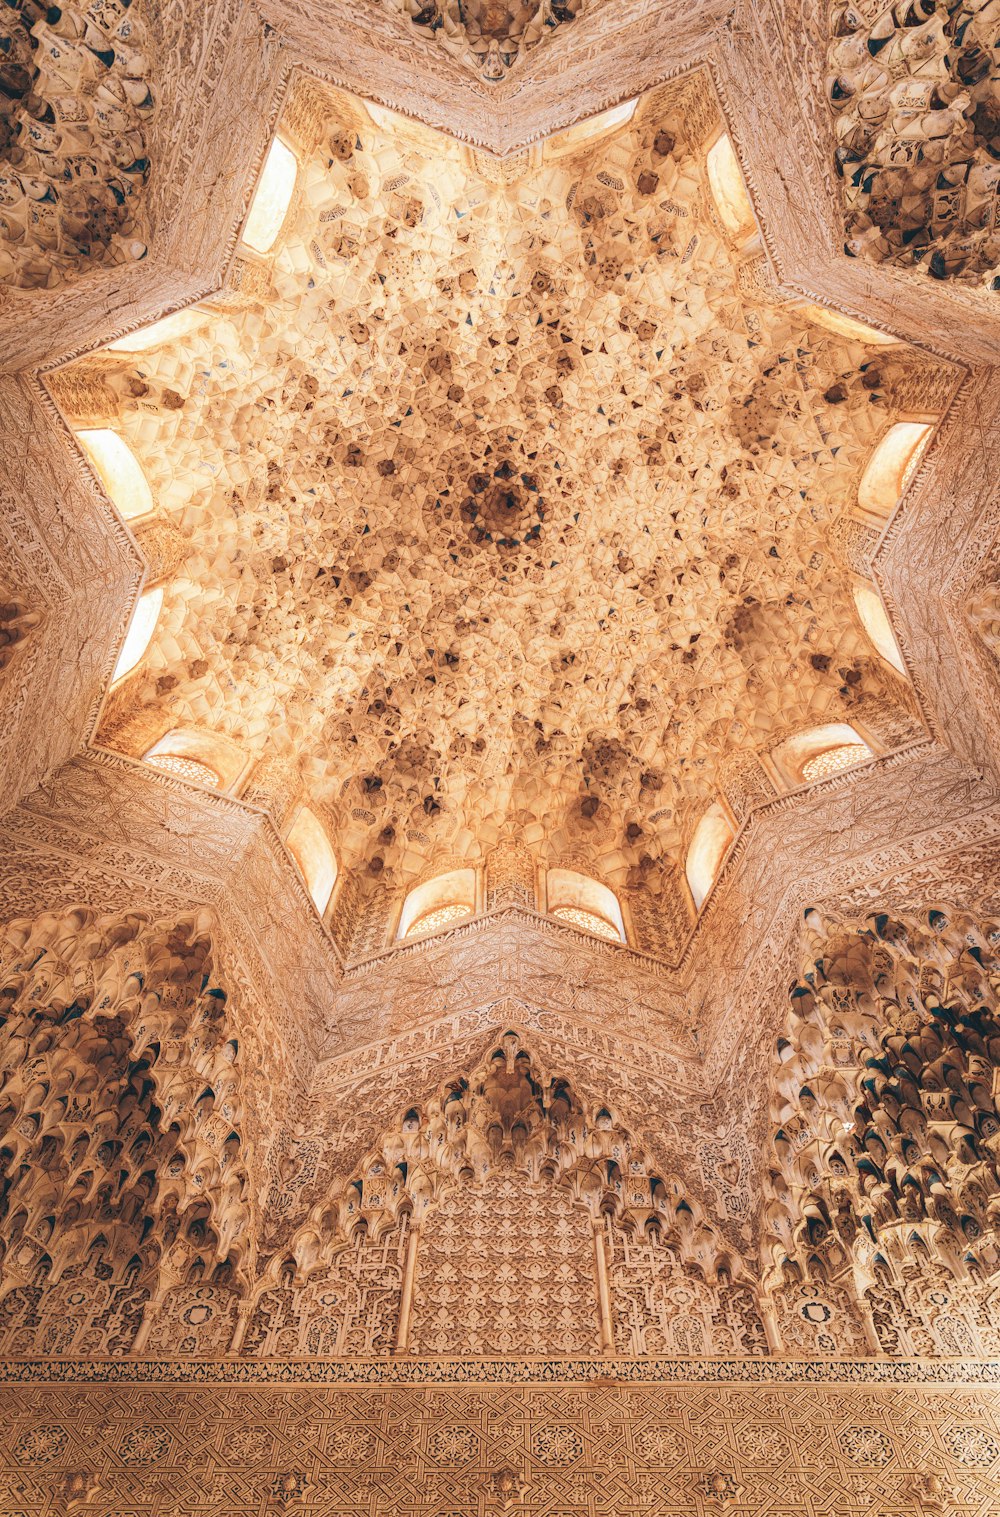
531,440
506,516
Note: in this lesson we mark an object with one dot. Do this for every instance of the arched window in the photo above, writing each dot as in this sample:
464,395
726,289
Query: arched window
876,624
576,898
140,632
206,758
574,137
272,198
845,326
185,769
438,903
118,469
819,751
891,465
709,846
159,333
728,189
832,760
310,848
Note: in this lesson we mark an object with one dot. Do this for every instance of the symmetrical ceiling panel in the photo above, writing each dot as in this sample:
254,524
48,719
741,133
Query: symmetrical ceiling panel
498,663
509,496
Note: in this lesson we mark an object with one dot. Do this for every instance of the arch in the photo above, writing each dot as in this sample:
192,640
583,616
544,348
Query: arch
118,469
272,197
891,466
159,333
811,755
844,325
877,625
313,853
729,189
438,903
708,847
505,1173
205,758
576,898
583,133
140,632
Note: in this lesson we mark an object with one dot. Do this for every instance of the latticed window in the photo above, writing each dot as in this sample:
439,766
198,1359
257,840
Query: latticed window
589,921
834,759
441,916
185,768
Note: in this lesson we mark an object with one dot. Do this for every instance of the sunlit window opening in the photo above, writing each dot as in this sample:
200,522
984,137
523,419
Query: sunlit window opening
159,333
845,326
310,848
438,903
818,751
441,916
833,760
582,132
709,846
576,898
589,921
272,198
876,624
195,753
118,469
728,189
892,466
185,769
140,632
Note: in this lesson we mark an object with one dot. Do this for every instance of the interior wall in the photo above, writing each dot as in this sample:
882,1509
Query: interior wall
433,1449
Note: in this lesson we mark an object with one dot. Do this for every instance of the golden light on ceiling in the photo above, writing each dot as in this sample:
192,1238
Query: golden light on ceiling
158,333
140,632
312,851
892,465
876,623
552,395
728,188
119,470
271,198
709,846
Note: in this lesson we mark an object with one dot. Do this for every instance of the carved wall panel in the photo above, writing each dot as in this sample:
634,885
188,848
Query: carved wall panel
349,1309
93,1309
440,1449
505,1267
193,1321
663,1308
820,1321
510,876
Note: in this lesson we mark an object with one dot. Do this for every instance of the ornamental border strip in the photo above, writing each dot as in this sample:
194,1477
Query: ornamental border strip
602,1372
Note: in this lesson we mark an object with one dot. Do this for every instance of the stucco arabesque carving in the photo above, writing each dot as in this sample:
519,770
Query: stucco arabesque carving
139,850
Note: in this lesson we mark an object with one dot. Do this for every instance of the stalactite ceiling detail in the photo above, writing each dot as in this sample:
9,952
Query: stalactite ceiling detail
499,800
506,503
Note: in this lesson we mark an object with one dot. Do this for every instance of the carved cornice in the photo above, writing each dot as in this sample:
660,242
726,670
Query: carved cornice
467,1371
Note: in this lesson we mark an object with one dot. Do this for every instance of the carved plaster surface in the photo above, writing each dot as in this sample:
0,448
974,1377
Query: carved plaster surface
409,509
507,516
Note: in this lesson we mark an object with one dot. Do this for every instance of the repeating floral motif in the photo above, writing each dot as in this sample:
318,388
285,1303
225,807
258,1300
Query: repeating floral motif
506,1270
